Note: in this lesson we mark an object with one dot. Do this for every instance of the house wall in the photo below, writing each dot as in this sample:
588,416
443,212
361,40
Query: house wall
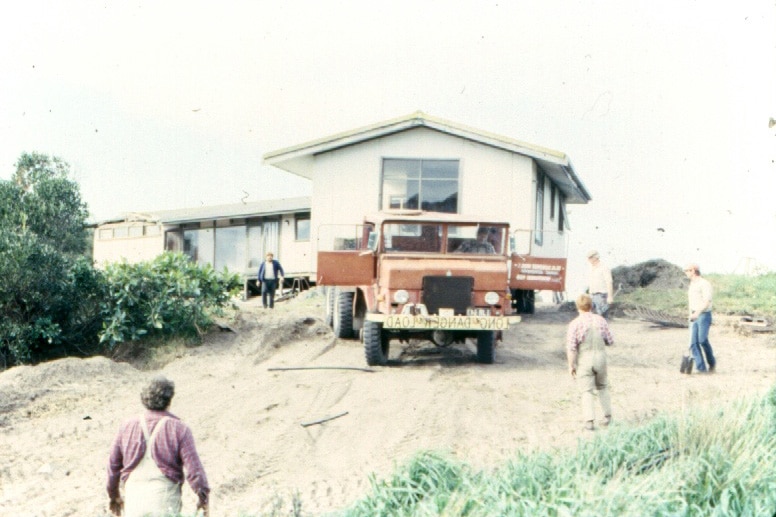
554,242
295,256
494,184
130,241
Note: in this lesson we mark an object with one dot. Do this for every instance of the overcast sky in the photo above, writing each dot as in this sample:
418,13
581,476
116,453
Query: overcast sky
662,106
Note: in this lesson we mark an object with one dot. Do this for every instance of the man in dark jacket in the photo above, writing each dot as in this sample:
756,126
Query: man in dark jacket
271,276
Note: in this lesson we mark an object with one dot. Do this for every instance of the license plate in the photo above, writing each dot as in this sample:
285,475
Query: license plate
406,321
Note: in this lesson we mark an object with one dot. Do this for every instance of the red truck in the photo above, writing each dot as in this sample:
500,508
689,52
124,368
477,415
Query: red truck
423,275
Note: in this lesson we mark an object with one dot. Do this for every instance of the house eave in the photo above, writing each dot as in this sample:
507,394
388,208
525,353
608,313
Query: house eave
299,159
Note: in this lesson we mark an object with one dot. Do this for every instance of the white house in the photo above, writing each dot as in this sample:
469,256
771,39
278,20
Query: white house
234,236
423,162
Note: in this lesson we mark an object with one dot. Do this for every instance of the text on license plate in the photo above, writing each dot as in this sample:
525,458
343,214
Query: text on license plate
406,321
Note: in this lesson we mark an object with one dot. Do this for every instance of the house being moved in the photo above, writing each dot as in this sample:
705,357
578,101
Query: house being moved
422,162
235,237
416,162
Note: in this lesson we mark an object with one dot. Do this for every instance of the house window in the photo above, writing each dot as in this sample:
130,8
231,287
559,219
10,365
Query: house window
561,213
552,201
303,227
135,231
199,245
106,233
539,221
173,241
230,247
120,232
420,184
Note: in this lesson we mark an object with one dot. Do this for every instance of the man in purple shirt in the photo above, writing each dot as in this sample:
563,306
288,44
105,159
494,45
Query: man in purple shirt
587,336
149,456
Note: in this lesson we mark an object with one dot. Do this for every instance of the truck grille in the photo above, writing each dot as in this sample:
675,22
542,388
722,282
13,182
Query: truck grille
452,292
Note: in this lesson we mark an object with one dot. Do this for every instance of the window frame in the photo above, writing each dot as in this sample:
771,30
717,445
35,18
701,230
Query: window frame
402,197
297,219
539,212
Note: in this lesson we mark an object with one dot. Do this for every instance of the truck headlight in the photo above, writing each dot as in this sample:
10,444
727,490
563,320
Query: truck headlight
491,298
401,296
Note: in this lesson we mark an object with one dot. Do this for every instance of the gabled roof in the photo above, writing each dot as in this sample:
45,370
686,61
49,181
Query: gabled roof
299,159
208,213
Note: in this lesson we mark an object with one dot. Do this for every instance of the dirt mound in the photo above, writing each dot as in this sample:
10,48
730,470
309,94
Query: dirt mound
652,274
60,372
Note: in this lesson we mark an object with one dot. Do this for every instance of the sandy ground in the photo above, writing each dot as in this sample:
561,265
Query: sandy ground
247,406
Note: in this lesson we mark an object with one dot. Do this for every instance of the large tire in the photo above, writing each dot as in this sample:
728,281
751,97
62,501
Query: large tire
376,344
486,351
331,296
343,315
523,301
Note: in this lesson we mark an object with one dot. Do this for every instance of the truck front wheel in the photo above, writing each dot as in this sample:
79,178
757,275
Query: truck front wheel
376,344
486,352
343,315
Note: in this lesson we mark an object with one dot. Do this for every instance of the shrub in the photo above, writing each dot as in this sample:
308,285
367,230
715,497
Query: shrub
169,296
49,301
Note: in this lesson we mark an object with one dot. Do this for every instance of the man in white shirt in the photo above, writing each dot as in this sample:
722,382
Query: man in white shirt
699,300
600,284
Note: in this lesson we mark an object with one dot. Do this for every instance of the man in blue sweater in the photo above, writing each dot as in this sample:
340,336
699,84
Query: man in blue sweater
271,276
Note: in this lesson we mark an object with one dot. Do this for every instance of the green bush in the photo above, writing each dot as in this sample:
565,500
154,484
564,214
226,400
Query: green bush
169,296
49,301
49,296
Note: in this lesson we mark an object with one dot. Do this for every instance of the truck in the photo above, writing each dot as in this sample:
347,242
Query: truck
412,274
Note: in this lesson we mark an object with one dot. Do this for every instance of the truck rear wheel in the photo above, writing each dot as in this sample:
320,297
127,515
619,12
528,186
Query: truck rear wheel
523,301
486,352
343,315
376,344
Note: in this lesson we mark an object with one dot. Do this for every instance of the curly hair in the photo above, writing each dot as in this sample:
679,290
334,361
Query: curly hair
584,302
157,395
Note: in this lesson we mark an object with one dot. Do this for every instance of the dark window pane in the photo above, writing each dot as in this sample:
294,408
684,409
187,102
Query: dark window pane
440,196
440,169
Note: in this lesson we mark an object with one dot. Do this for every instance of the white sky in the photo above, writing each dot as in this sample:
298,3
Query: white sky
662,106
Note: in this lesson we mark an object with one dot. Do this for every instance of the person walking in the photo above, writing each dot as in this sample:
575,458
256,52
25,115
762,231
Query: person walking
600,284
586,338
271,276
699,297
148,459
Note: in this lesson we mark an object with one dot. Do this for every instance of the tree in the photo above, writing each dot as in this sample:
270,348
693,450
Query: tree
48,203
49,297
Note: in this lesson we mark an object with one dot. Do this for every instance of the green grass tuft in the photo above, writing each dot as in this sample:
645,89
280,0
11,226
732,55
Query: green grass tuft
715,462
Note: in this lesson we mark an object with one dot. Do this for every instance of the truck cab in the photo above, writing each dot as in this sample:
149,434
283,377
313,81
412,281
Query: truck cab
419,275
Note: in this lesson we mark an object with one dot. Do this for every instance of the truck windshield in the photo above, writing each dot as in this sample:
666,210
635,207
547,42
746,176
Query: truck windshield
420,238
429,237
487,240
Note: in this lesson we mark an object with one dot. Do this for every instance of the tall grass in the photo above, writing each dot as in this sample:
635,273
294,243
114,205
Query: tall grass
716,462
733,294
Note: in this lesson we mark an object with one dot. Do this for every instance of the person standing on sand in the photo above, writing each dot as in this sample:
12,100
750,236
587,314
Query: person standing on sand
271,277
587,336
148,458
699,300
600,284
